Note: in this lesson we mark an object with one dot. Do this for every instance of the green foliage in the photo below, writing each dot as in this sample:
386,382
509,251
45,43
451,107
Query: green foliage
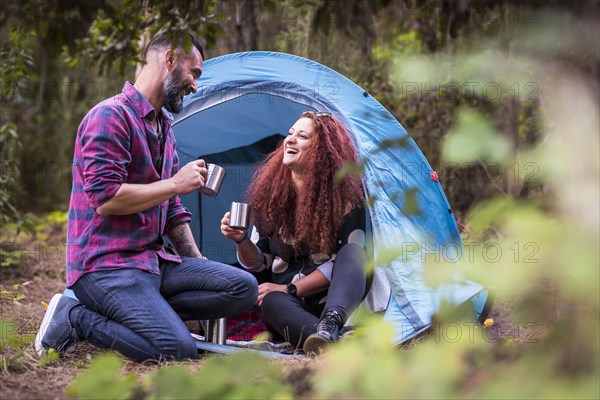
364,367
34,34
103,380
48,358
474,138
49,223
15,294
353,170
411,203
240,376
402,44
19,234
11,258
114,40
173,382
12,344
16,60
57,217
367,365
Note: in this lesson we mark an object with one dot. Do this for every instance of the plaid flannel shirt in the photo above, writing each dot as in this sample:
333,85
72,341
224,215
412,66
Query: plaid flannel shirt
116,144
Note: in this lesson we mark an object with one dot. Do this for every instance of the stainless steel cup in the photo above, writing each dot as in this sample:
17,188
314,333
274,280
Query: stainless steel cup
214,179
240,216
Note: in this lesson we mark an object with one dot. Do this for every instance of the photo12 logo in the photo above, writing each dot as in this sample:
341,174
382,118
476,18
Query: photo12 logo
453,332
516,172
267,91
454,92
490,252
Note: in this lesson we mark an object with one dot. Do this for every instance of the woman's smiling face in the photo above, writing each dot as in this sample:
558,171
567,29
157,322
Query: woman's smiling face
297,144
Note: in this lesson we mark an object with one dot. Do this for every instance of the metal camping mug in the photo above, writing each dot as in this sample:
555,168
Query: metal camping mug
239,218
214,179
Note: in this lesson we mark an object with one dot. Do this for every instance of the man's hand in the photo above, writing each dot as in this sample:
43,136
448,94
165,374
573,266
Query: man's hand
191,177
268,287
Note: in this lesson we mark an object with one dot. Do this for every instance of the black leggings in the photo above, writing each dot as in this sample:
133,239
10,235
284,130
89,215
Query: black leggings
293,320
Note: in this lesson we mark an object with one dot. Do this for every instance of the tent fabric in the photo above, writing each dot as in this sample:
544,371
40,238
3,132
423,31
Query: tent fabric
246,98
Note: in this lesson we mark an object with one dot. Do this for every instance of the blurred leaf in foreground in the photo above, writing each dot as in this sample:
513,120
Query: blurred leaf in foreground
103,380
474,138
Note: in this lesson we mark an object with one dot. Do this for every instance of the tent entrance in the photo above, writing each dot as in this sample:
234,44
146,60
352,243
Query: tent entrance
234,129
239,164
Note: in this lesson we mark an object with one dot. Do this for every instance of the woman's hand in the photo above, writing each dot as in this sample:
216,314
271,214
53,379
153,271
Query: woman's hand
268,287
234,234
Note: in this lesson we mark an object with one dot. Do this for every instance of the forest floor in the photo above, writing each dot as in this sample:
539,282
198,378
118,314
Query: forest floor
43,267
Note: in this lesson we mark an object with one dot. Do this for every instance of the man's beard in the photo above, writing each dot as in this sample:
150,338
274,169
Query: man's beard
172,89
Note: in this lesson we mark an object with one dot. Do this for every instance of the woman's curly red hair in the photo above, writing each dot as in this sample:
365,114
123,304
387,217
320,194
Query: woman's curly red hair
315,219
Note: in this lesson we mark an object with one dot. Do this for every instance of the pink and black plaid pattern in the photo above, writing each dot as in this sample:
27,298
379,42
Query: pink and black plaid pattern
116,144
245,326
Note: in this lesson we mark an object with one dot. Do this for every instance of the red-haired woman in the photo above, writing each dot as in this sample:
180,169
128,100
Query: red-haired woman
309,237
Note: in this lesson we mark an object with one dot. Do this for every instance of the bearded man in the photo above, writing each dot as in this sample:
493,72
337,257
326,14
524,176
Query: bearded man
134,292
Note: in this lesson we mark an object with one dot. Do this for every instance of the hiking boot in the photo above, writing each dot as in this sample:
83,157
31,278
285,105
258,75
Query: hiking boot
482,305
347,332
56,331
328,331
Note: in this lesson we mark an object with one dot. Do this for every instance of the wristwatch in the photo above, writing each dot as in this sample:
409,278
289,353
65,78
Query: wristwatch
291,289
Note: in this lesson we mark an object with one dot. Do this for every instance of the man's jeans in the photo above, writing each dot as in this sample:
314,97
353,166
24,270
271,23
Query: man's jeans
141,315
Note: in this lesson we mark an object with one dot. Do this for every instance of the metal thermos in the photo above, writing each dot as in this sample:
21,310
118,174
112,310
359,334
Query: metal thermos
214,179
239,217
215,330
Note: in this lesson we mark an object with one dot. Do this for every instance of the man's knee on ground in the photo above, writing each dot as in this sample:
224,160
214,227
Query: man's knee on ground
188,349
180,348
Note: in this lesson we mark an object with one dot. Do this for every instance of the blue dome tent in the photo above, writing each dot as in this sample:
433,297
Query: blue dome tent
244,106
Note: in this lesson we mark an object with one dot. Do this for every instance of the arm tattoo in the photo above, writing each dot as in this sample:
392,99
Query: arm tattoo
182,239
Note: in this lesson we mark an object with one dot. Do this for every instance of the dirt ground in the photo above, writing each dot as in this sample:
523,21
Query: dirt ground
28,380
